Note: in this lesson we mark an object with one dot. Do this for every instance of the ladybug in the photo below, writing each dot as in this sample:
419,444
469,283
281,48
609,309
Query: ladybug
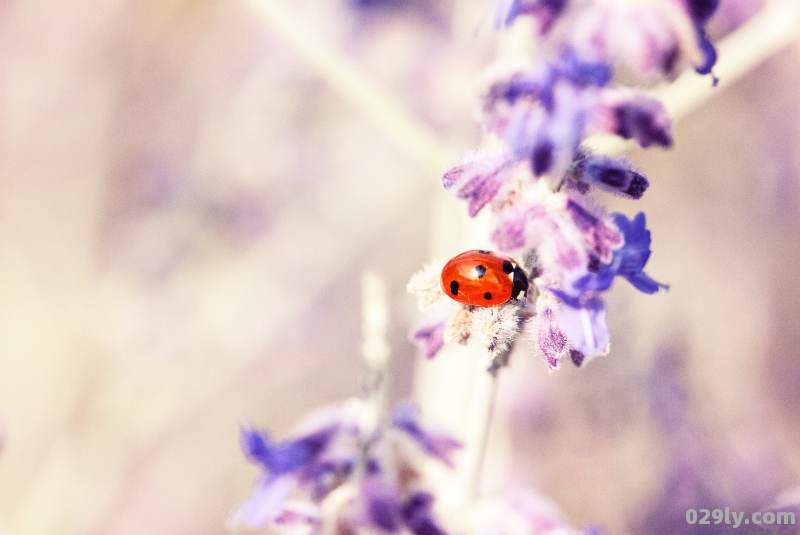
483,278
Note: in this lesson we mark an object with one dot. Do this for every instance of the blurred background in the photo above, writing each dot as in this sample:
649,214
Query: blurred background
189,192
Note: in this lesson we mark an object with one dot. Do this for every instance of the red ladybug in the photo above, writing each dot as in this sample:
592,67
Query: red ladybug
483,278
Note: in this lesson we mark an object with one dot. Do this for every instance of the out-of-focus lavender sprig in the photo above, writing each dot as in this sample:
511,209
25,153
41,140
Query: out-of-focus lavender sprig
353,473
651,37
539,185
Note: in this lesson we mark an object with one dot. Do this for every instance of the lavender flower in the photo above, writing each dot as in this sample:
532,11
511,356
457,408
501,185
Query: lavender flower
335,454
543,112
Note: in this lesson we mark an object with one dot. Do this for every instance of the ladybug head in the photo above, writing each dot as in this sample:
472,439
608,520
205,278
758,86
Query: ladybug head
520,283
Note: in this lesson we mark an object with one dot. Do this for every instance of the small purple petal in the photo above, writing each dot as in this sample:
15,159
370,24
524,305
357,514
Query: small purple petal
477,181
582,217
265,503
406,417
642,282
255,444
287,456
429,338
586,327
511,233
627,261
630,259
709,55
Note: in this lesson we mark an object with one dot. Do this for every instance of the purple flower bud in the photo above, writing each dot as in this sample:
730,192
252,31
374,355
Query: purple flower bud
429,338
645,120
610,174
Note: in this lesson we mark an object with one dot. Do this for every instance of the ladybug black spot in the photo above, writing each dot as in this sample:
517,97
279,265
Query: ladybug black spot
454,287
482,251
487,296
480,271
507,267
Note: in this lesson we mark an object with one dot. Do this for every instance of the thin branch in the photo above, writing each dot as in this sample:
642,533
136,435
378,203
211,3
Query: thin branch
480,421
